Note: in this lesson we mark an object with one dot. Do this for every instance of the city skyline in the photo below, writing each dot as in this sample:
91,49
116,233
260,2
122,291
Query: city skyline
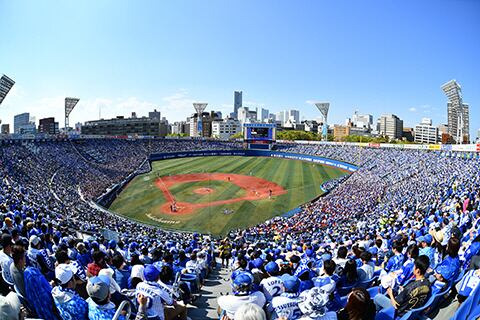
386,64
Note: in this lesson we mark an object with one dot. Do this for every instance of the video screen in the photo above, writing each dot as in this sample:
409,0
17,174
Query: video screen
259,133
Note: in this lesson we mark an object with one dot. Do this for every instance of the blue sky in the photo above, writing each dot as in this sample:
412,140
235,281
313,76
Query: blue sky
374,56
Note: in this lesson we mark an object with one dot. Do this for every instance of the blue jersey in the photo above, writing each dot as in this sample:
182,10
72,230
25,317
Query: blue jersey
471,251
430,253
394,263
448,268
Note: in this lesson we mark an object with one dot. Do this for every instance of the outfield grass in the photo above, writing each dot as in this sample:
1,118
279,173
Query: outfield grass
141,197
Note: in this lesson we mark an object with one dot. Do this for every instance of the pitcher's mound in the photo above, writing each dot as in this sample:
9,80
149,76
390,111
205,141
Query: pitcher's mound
203,191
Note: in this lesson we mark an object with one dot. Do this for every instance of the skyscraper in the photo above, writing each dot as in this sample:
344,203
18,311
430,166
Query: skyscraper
20,120
294,115
237,103
391,126
457,112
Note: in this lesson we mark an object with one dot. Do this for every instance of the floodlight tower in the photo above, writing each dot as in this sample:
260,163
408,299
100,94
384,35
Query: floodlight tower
70,103
323,108
199,108
5,85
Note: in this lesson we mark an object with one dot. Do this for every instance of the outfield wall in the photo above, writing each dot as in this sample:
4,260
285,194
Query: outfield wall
256,153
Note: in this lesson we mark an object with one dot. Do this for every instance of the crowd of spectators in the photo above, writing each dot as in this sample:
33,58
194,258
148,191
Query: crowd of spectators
405,223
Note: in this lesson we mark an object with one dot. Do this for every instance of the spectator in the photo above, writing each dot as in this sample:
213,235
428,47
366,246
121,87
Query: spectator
68,302
242,294
359,306
99,305
413,295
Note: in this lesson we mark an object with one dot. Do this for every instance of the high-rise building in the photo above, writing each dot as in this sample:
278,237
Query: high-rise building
391,126
22,123
154,115
362,120
5,128
425,132
180,127
224,129
206,119
48,125
263,115
20,120
454,121
293,115
237,103
280,117
457,112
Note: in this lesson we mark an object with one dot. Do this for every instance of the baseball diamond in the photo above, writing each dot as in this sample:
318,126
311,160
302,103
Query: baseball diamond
218,194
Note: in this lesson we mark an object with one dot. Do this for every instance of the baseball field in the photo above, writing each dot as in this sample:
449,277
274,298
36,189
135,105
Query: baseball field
218,194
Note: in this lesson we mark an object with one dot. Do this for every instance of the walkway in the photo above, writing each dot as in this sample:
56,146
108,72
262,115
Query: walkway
217,284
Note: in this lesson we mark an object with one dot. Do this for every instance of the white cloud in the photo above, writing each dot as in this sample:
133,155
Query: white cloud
412,109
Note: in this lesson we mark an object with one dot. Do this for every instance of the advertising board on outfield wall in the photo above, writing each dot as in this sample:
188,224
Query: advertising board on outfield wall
434,147
257,153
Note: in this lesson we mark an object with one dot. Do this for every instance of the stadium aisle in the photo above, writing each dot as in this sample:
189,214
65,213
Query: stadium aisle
205,307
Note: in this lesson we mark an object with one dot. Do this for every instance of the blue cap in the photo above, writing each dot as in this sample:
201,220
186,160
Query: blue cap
257,263
272,268
242,283
421,239
151,273
133,245
291,283
112,244
310,253
428,238
102,278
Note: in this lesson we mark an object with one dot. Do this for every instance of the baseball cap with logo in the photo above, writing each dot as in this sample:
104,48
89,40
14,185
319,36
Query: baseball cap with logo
34,240
242,284
64,273
98,287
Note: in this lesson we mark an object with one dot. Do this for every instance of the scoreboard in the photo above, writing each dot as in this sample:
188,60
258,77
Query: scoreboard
259,135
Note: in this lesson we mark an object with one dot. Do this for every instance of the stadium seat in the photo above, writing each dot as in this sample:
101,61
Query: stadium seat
373,291
345,290
368,283
386,314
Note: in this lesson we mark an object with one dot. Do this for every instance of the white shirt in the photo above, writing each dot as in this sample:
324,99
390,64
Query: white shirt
272,287
158,295
369,270
193,267
286,306
231,303
5,262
